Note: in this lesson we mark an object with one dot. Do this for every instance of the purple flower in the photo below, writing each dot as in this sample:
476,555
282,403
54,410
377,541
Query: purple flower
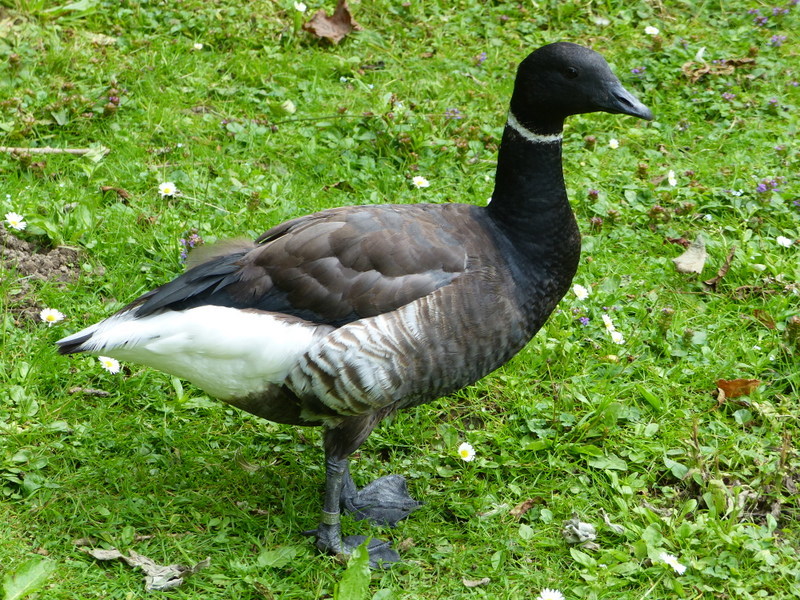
761,20
584,320
191,239
772,101
777,40
638,70
453,113
480,58
779,10
767,185
728,96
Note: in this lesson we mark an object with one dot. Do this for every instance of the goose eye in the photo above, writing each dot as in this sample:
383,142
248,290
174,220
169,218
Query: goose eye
571,72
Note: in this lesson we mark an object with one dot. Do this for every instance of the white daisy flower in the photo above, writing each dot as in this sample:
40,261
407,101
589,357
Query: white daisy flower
613,143
466,452
197,46
782,241
167,189
109,364
50,316
581,292
16,221
671,178
617,338
672,562
420,182
300,7
608,323
548,594
650,30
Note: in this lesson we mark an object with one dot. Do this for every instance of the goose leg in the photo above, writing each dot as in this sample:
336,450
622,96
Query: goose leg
329,533
384,501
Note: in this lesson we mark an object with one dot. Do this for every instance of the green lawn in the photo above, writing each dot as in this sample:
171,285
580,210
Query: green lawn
255,122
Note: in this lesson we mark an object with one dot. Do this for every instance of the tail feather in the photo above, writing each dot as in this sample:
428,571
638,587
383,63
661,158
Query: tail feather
73,344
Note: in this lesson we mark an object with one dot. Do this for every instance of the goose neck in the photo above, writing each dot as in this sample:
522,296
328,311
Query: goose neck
529,195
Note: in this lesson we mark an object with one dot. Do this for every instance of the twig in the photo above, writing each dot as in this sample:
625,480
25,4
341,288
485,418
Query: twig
47,150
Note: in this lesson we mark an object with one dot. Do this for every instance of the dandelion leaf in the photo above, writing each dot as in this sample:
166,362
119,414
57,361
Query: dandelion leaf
28,578
354,584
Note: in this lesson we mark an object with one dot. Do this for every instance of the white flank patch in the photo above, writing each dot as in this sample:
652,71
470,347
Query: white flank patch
536,138
227,352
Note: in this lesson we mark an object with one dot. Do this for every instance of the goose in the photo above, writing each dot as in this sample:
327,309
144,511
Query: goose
340,318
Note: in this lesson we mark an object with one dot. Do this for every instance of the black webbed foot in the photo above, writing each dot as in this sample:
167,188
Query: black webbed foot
329,540
385,501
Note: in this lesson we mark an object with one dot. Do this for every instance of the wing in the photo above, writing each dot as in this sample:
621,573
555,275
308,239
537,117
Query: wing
331,267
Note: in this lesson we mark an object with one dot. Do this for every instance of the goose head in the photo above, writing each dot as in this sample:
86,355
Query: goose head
563,79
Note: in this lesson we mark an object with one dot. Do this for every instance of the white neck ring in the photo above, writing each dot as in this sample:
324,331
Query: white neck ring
536,138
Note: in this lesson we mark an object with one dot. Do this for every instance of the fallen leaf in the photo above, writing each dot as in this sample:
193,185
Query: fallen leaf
157,577
793,331
733,388
576,531
471,583
681,241
101,39
694,70
124,194
616,528
406,544
341,185
693,260
335,27
88,392
764,318
523,507
723,270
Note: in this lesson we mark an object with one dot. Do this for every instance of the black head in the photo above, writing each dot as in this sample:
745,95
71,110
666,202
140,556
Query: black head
565,79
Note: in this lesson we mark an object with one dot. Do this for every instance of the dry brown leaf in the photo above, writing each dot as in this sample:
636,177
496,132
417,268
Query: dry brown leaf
406,544
122,193
693,260
694,71
523,507
723,270
333,28
88,392
157,577
793,331
764,318
681,241
733,388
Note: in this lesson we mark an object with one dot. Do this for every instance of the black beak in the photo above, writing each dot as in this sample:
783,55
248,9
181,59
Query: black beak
621,101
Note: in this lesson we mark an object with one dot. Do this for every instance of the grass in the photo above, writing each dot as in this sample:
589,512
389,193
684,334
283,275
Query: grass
633,435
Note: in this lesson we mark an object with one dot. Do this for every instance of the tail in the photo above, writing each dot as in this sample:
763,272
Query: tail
117,331
210,268
73,344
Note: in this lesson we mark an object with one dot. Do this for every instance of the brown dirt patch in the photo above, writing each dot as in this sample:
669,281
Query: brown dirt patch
22,262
